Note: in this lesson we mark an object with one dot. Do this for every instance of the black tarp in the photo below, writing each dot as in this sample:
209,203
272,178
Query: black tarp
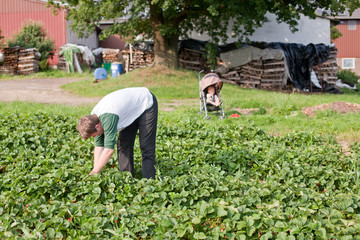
192,44
300,59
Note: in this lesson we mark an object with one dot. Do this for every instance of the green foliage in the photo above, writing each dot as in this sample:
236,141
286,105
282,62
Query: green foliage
211,54
348,77
33,35
43,64
261,111
2,43
168,20
229,181
49,73
335,33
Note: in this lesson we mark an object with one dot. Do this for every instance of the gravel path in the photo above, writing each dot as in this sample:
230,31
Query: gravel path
41,91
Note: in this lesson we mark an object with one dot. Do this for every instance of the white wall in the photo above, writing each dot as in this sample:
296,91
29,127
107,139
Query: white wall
310,31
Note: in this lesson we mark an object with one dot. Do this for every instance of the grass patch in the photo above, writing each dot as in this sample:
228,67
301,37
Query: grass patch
51,73
164,83
26,107
178,89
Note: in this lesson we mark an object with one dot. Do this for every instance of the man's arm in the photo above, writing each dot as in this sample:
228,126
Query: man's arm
101,158
97,154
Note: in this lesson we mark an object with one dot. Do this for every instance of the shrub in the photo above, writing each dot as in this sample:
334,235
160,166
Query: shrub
335,33
261,111
348,77
33,35
2,44
43,64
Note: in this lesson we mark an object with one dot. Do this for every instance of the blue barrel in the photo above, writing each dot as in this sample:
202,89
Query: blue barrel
116,69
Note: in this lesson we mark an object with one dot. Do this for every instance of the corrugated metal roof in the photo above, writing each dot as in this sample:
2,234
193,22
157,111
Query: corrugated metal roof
346,15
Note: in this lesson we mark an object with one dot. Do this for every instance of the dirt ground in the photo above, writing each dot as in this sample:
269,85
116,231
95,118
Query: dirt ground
41,91
340,107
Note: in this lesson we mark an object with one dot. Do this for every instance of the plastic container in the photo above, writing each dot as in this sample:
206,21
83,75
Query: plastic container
100,73
107,66
116,69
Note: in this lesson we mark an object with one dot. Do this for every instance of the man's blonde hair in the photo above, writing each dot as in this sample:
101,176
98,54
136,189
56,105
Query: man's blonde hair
86,125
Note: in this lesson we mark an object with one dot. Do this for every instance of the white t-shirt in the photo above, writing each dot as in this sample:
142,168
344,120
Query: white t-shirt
118,110
127,103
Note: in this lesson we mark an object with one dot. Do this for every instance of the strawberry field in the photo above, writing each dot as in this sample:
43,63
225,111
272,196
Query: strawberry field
225,182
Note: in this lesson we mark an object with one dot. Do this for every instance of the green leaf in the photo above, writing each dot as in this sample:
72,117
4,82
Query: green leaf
240,225
321,232
50,233
281,236
221,212
249,221
199,235
196,220
250,230
279,224
266,236
181,232
242,237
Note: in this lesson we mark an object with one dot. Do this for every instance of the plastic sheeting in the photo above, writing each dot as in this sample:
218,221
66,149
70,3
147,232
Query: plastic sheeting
300,60
87,55
142,46
242,56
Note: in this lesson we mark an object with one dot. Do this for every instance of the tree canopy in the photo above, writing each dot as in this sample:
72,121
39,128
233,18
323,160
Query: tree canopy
165,21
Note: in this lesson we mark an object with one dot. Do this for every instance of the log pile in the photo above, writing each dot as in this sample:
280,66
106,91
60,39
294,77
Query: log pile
264,74
62,65
327,71
192,59
137,59
18,60
273,74
11,58
28,61
112,55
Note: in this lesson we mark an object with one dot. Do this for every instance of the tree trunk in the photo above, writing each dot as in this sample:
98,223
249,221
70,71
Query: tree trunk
165,47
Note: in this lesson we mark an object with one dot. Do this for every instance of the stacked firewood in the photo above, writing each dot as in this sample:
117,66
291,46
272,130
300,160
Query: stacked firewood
273,74
327,71
266,74
137,59
112,55
11,58
28,61
191,59
62,65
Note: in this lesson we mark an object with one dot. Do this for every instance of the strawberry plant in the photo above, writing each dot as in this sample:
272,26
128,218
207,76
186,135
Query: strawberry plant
228,182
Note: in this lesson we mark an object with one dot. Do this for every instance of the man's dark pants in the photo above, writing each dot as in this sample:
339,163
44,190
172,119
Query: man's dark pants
146,124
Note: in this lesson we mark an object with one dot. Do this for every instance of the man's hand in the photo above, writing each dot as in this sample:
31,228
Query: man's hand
101,158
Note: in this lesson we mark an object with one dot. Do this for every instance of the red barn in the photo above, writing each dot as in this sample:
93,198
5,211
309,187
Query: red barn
348,45
14,13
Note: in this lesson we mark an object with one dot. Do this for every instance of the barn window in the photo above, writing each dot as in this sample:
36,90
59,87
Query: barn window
352,25
348,63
